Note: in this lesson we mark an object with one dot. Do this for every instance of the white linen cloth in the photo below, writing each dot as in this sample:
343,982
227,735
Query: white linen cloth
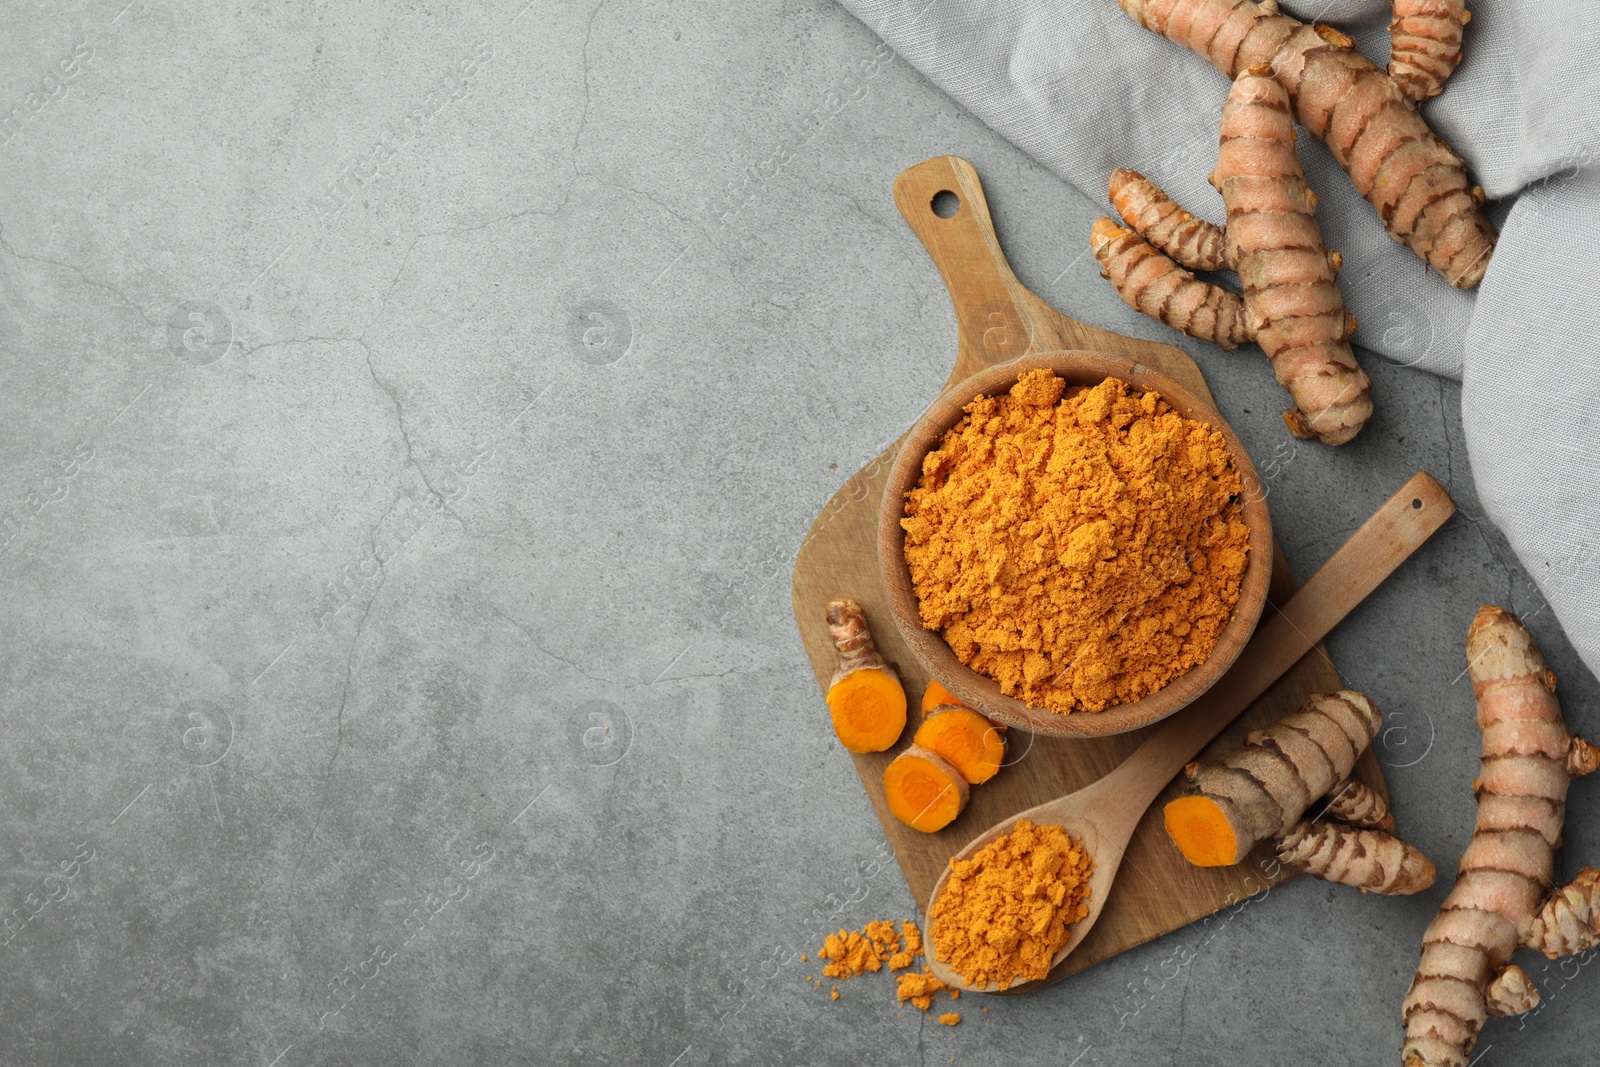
1081,87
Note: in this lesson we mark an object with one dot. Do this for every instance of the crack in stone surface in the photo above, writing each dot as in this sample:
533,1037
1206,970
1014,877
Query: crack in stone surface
531,636
583,116
338,744
6,247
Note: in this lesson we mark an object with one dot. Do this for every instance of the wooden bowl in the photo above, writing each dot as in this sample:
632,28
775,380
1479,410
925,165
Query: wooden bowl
982,692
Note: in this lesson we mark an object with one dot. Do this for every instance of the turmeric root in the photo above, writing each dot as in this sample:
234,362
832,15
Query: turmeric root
1370,860
923,790
1425,44
1569,922
1511,993
1190,242
967,740
1499,902
865,697
1260,791
1152,283
1291,304
1359,805
1290,296
1417,183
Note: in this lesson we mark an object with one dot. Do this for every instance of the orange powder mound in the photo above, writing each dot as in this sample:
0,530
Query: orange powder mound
950,1018
1081,548
856,952
912,938
853,952
1011,907
919,989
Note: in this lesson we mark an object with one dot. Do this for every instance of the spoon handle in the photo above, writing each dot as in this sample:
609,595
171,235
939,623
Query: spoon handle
1371,554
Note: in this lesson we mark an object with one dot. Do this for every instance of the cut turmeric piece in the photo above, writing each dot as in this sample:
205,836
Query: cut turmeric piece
869,710
923,790
1202,830
937,696
967,741
1260,790
1265,790
865,697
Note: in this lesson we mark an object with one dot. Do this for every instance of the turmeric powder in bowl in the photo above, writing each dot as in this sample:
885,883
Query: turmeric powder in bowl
1081,548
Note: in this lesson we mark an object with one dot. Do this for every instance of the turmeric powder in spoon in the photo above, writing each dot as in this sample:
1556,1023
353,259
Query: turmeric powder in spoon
1006,911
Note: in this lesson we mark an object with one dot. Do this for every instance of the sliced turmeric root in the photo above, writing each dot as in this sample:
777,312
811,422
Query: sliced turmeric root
966,740
865,698
1202,831
868,708
923,790
937,696
1261,789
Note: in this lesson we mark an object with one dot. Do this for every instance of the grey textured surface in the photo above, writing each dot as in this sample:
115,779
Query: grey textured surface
398,660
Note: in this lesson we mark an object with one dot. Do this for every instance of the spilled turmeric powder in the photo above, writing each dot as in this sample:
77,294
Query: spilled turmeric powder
1006,911
910,950
855,952
919,989
1082,549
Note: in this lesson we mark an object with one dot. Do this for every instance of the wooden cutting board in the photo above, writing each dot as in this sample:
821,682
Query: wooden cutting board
999,319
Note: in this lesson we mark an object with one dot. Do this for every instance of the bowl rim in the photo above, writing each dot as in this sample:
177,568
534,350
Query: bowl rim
978,691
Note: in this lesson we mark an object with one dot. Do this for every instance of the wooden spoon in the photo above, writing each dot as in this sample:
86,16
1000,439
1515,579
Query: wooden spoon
1102,816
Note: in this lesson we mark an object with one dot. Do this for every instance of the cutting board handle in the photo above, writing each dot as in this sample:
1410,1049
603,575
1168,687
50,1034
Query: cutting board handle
995,313
997,317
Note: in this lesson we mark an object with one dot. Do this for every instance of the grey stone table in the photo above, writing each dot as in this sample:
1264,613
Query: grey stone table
409,420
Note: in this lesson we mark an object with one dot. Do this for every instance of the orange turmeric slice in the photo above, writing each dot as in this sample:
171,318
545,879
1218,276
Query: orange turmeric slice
869,710
937,696
923,790
865,697
967,741
1202,831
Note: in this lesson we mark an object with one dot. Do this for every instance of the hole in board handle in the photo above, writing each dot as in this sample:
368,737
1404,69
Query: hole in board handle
945,204
1416,505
